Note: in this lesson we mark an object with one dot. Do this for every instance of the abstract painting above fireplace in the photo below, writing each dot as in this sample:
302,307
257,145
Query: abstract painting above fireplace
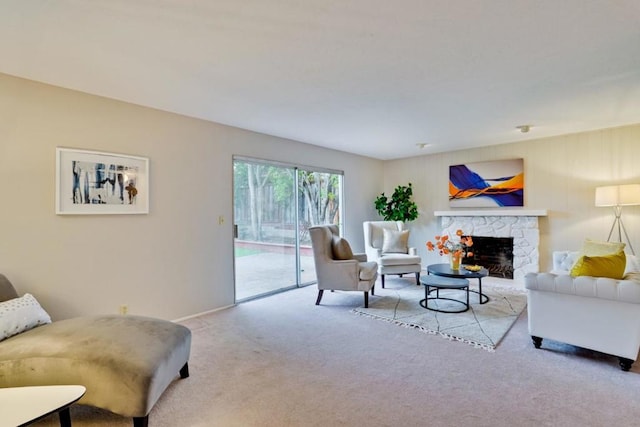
487,184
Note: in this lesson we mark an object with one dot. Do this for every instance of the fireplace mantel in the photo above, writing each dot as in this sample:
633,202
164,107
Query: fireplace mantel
493,212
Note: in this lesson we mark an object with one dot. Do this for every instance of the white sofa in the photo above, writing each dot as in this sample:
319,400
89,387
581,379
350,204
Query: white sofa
597,313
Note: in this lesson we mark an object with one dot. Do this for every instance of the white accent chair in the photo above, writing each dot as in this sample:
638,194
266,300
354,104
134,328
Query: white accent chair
597,313
337,268
393,255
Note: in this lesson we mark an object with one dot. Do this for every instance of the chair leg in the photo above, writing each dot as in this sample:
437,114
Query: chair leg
382,276
366,300
418,279
373,289
319,296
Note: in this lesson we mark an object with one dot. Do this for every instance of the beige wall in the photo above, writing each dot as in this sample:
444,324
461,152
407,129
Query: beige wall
174,262
177,260
561,174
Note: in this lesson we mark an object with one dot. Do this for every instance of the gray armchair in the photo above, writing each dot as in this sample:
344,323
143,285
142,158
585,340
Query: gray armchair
337,268
386,243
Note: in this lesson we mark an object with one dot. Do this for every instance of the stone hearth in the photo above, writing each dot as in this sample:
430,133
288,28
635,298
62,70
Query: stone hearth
522,225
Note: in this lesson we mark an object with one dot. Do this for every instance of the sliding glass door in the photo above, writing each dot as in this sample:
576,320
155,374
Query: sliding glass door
274,206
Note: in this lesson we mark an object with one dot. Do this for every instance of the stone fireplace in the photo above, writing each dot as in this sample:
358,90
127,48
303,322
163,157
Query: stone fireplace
521,225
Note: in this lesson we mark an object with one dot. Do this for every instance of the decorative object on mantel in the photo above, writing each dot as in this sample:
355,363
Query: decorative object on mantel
487,184
456,250
95,182
617,196
483,325
401,207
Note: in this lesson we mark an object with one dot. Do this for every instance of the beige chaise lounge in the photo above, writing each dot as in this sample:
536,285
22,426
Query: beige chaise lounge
125,362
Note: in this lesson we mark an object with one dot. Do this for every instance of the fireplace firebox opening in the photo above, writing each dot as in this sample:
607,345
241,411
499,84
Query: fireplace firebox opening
493,253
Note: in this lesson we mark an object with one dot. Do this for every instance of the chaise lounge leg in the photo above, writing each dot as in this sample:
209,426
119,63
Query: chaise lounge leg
184,372
418,279
65,417
373,290
382,276
537,341
319,296
366,300
625,364
141,421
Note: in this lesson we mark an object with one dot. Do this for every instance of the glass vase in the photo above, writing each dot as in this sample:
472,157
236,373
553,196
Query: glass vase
454,260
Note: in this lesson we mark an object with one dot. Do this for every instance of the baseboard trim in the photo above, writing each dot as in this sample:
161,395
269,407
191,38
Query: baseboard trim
182,319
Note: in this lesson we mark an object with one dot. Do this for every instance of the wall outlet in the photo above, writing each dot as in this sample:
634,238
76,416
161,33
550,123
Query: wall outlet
124,309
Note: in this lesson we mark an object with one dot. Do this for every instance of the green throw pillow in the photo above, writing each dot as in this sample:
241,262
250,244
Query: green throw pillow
611,266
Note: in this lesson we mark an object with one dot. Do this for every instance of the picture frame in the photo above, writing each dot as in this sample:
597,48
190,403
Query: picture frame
489,184
100,183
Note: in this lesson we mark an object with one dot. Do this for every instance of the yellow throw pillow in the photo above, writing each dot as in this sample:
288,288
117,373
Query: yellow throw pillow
611,266
595,248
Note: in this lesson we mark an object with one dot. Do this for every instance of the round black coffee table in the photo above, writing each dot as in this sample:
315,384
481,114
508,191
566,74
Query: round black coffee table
446,271
440,282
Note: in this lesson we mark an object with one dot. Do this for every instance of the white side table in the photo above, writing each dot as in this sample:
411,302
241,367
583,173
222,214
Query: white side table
20,406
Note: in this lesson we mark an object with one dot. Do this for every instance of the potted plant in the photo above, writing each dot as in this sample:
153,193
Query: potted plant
400,207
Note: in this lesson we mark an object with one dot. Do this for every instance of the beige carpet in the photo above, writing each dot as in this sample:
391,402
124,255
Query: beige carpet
483,325
282,361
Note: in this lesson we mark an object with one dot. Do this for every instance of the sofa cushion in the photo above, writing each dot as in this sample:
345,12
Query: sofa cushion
633,264
398,259
341,248
395,241
21,314
611,266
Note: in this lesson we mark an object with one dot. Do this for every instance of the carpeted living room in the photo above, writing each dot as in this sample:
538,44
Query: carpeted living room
379,95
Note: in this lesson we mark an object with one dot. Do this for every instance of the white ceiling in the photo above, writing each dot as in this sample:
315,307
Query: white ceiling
372,77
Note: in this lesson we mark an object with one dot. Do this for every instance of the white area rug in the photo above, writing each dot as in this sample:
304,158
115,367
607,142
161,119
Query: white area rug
483,325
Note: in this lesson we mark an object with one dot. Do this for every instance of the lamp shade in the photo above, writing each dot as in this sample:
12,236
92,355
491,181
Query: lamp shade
607,196
618,195
630,195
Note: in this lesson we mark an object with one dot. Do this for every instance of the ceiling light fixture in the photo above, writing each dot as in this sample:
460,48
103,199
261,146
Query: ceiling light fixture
524,128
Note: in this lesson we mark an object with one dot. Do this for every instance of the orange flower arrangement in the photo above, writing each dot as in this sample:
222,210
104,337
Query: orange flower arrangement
448,246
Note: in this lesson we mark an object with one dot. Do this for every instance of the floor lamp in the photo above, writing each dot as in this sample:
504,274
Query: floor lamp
617,196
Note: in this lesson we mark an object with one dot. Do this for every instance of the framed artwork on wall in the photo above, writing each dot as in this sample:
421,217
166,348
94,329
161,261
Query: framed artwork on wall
95,182
487,184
